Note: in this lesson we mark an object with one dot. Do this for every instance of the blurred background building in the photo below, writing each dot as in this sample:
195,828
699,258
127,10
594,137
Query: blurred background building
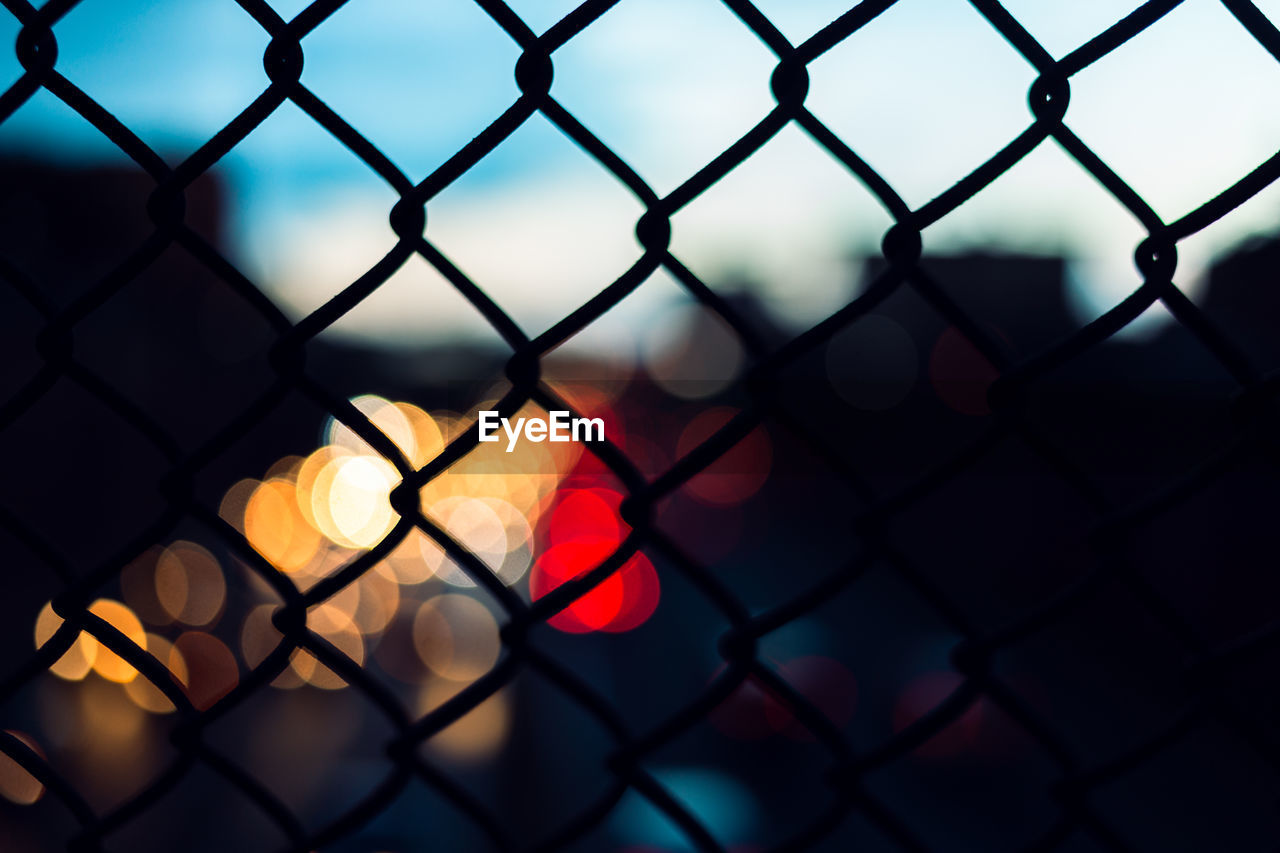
95,423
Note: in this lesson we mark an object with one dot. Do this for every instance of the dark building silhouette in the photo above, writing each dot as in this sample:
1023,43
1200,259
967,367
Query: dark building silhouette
1243,299
1004,535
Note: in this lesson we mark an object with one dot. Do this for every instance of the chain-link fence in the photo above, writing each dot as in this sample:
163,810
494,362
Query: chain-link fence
1085,528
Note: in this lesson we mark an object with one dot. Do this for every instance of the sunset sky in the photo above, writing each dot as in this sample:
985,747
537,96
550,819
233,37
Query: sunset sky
925,93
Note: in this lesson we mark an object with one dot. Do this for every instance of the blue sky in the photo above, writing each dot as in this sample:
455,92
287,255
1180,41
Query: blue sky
924,93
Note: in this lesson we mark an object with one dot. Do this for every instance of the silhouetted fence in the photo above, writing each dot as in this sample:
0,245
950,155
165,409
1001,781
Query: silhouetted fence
1103,529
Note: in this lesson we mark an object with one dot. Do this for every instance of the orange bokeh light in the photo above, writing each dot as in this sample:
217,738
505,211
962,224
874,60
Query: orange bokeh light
276,528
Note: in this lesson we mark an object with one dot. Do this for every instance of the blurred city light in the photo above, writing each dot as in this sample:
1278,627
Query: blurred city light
16,784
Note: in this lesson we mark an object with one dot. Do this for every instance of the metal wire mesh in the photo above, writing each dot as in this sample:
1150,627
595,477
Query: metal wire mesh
871,513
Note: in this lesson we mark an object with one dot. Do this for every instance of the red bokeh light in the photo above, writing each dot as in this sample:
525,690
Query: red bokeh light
748,713
640,594
583,530
922,695
566,561
586,515
738,473
754,711
826,684
590,403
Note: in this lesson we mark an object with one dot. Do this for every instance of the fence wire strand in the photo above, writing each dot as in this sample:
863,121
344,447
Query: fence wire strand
626,770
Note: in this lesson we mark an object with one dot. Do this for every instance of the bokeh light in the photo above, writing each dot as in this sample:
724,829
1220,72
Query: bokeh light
593,363
428,440
189,584
753,710
305,482
285,468
16,784
107,663
456,637
351,500
78,660
211,667
235,502
395,652
745,713
692,353
641,593
148,696
717,800
478,735
592,610
336,613
310,515
138,586
519,536
390,419
111,738
586,515
259,637
407,563
922,695
738,473
476,526
379,599
583,528
276,528
825,683
343,636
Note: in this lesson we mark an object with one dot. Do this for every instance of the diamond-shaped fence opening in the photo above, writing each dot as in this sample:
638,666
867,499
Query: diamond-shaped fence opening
950,121
435,119
903,553
691,76
1132,96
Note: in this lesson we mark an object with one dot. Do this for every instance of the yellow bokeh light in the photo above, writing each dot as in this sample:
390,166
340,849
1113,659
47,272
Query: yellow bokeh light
474,525
306,481
189,584
390,419
16,784
310,514
286,468
456,637
259,637
146,695
450,424
138,587
478,735
335,614
276,528
351,500
406,564
236,501
78,660
379,600
428,440
519,539
327,559
107,663
347,640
